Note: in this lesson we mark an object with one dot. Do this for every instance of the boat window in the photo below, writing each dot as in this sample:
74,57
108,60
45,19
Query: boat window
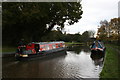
54,46
37,47
50,46
63,45
43,47
29,44
47,47
22,49
59,45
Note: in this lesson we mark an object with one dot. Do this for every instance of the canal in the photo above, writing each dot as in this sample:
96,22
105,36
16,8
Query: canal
77,62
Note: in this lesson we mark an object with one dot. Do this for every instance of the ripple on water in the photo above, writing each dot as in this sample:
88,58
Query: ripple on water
72,65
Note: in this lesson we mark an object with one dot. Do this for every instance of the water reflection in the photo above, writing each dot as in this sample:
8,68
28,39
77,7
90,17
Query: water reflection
97,58
78,48
77,63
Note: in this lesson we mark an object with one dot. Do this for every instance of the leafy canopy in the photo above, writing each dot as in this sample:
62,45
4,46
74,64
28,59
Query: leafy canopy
32,19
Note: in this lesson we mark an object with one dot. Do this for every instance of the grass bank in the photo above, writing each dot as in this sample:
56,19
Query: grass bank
8,49
74,43
110,69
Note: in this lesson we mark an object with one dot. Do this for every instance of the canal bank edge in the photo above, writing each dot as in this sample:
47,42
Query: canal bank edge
111,65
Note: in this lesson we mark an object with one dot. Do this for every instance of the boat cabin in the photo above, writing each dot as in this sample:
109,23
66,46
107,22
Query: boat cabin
36,47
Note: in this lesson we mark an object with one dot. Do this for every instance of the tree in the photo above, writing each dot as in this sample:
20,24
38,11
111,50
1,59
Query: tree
53,35
109,30
85,36
29,19
91,33
103,30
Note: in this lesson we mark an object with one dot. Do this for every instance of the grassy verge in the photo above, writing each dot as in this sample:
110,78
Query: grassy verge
74,43
8,49
110,69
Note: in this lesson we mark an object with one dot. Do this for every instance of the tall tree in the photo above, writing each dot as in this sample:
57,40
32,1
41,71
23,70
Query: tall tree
29,19
85,36
109,30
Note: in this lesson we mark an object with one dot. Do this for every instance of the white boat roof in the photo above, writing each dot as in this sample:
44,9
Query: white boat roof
48,42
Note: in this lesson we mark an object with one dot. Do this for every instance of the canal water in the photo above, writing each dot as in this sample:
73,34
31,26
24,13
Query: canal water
77,62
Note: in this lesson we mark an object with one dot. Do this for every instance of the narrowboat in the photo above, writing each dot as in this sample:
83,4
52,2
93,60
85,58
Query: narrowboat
37,49
97,48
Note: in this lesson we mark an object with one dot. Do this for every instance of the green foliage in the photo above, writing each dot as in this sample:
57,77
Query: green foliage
109,31
110,69
28,20
53,35
59,36
8,49
85,36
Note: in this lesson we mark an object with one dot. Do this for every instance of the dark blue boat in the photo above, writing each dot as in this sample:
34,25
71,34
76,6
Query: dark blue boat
98,47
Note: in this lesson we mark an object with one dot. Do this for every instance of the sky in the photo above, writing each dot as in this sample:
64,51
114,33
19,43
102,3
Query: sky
93,12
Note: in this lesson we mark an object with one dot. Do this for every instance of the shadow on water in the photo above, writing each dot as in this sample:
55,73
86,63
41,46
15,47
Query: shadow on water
76,63
33,68
98,59
9,58
77,49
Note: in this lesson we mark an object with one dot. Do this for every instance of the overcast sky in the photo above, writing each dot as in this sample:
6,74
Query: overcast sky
93,12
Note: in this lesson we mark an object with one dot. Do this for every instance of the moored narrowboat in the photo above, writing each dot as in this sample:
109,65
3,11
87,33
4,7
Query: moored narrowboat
37,49
97,47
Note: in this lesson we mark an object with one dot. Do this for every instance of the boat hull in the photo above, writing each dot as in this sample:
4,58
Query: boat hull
41,54
97,51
